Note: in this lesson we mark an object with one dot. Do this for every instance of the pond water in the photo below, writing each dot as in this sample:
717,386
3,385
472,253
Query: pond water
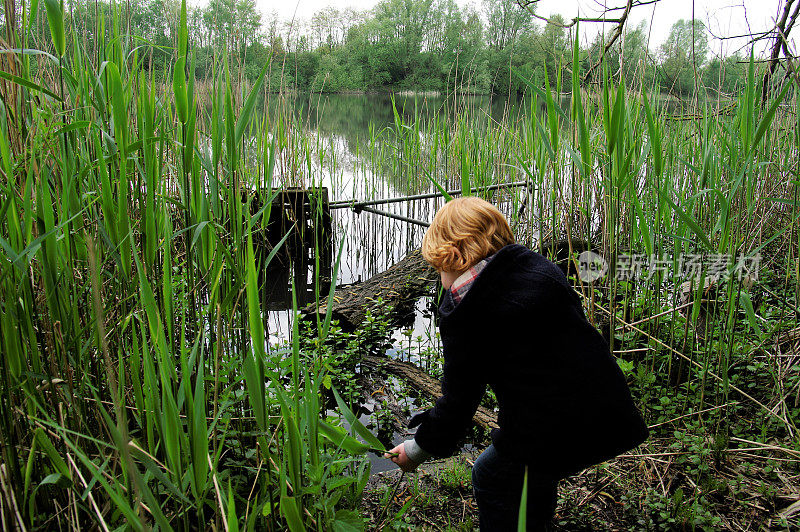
347,159
352,152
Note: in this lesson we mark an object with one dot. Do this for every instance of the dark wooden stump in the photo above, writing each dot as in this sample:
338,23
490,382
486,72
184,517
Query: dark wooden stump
559,252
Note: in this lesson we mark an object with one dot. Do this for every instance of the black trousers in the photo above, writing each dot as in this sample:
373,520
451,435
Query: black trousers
497,484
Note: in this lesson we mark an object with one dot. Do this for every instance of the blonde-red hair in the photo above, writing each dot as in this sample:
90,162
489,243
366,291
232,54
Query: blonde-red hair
463,232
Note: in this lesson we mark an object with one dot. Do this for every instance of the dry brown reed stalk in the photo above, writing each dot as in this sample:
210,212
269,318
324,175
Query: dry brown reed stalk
10,501
764,407
89,494
220,511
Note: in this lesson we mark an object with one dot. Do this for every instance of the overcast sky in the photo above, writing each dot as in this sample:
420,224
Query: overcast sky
722,17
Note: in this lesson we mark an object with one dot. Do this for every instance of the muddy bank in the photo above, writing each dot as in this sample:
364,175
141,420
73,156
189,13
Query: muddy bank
438,496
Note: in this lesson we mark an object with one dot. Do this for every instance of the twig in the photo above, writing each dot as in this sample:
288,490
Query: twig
597,490
614,36
767,446
525,4
760,457
12,501
358,204
697,364
133,445
651,455
693,414
660,476
379,520
252,489
219,494
89,493
669,311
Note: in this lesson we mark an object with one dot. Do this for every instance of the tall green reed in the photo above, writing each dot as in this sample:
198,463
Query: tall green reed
137,380
138,375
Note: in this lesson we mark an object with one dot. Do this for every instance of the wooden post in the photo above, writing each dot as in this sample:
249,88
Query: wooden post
305,215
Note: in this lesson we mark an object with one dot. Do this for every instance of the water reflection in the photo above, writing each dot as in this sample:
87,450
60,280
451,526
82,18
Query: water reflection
351,116
355,156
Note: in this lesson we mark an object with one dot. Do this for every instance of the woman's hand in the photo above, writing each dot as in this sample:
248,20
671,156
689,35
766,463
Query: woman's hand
401,459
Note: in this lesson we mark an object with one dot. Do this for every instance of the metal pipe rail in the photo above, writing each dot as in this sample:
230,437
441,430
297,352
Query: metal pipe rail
359,205
394,216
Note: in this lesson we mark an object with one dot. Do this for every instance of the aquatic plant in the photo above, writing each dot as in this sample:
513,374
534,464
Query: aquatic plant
138,386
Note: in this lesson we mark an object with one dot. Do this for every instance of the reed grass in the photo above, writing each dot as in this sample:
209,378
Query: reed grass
138,372
138,386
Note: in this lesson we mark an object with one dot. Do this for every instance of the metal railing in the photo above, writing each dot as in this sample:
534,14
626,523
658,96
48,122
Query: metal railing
359,206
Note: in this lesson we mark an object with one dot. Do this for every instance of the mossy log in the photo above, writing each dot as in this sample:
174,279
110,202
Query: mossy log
399,287
426,384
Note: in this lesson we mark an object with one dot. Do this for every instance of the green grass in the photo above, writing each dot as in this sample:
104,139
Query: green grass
138,389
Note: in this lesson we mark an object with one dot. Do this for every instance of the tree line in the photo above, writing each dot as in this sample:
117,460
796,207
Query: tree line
419,45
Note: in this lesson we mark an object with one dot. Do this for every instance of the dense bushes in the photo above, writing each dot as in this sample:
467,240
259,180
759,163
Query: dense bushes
406,45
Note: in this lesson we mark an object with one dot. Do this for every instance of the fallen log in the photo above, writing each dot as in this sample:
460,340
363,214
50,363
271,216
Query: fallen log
404,283
431,387
399,287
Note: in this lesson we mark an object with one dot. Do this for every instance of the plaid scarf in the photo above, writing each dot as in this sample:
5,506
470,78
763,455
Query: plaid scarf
463,283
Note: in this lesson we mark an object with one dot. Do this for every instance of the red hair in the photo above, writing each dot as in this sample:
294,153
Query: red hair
464,231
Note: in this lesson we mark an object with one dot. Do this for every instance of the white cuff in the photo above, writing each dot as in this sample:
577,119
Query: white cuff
414,452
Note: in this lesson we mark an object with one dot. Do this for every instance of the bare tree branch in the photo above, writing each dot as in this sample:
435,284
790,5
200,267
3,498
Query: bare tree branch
634,5
747,61
755,36
614,36
782,29
789,56
527,5
603,19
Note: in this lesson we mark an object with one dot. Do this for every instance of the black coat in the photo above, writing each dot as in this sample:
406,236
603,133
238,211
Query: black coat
563,401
